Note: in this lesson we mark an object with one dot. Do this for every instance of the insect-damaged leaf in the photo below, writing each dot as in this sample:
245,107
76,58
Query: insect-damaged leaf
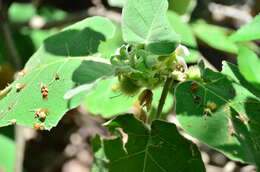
223,112
148,150
64,61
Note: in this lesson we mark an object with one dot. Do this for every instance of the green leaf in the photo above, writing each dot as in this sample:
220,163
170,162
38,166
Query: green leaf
108,103
8,148
108,48
223,113
68,54
51,14
38,36
160,148
145,22
180,6
21,12
214,36
183,29
249,65
248,32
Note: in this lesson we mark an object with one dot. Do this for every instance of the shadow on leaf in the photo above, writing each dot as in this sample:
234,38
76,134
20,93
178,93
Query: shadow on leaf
74,43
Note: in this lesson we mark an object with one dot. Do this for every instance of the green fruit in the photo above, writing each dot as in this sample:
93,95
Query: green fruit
128,86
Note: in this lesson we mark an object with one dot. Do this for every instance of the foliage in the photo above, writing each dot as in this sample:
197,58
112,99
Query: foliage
149,150
248,32
115,72
73,67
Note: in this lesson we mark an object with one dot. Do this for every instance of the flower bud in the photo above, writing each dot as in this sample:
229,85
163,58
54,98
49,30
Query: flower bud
182,51
193,73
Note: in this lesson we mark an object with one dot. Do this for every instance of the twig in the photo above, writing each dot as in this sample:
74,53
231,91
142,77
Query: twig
166,88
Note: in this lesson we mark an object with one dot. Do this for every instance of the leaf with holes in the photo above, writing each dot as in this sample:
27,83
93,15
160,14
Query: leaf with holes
145,22
159,149
222,112
64,61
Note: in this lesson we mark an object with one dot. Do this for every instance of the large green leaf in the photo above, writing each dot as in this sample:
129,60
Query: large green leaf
7,149
249,65
214,36
223,112
248,32
67,54
159,149
108,103
145,22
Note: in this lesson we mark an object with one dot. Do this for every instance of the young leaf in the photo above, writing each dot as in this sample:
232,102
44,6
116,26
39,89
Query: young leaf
223,113
7,151
145,150
64,61
249,64
248,32
145,22
214,36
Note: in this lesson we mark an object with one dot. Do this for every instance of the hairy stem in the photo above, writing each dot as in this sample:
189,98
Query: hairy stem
167,86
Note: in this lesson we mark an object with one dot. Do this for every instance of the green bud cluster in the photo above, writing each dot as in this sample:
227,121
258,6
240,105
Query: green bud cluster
138,68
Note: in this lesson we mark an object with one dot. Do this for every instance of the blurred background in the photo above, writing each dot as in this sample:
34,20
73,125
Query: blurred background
203,24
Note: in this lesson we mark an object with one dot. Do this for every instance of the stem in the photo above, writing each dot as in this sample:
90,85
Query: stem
164,94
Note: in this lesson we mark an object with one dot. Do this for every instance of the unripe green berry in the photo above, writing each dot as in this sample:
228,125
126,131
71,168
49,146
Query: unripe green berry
128,86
